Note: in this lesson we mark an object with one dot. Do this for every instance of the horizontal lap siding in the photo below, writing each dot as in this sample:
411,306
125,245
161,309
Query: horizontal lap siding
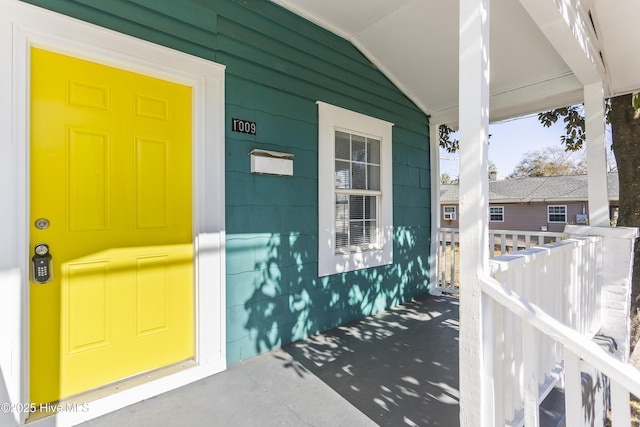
278,66
533,216
526,217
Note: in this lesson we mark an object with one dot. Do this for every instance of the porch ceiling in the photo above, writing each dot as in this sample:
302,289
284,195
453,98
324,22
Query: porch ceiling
535,63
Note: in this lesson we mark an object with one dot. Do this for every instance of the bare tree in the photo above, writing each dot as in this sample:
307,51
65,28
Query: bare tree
550,161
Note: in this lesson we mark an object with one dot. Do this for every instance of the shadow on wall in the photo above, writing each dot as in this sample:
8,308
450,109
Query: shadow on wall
289,302
400,367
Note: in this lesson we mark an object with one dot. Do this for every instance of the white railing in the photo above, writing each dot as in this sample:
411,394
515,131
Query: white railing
535,324
502,241
564,280
513,240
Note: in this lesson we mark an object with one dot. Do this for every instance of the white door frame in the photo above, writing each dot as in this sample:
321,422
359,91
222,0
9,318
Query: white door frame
23,26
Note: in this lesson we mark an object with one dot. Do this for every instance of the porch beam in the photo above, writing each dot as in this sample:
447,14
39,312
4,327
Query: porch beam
596,155
476,394
567,26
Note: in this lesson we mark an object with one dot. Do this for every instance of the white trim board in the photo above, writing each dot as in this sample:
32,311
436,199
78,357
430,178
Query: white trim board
23,26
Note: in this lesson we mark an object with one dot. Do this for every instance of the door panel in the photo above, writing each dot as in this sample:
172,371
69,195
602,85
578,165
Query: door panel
89,180
152,196
111,172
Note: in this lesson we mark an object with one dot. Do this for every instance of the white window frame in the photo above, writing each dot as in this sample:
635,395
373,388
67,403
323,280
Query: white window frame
501,213
330,119
449,210
556,206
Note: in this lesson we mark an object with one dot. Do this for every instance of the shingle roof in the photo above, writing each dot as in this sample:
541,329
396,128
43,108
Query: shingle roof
548,188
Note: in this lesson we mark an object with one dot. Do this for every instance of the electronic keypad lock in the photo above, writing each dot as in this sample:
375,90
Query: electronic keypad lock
41,261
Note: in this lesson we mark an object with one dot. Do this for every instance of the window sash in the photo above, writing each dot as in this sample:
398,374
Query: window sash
496,213
556,213
357,161
357,192
356,227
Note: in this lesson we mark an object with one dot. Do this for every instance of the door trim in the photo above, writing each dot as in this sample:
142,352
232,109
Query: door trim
24,26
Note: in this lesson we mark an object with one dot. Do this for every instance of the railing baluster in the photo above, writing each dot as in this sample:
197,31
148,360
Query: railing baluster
492,243
519,279
508,365
499,314
443,258
620,406
572,388
530,392
452,283
489,338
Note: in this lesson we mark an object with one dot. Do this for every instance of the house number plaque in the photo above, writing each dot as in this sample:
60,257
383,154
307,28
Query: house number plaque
243,126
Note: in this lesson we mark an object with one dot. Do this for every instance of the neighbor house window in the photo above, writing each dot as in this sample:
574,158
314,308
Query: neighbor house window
557,213
449,213
496,213
354,191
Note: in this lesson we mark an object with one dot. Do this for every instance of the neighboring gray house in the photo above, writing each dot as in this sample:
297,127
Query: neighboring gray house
532,204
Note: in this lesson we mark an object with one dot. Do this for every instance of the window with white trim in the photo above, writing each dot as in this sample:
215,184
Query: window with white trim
449,213
496,213
354,191
557,213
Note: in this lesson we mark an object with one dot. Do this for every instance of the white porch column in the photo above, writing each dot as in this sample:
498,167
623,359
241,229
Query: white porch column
596,155
434,152
476,402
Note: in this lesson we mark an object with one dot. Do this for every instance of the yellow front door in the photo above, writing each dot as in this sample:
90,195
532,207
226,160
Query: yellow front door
110,189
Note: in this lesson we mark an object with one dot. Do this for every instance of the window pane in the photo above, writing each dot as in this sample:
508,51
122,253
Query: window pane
370,231
358,176
342,234
342,174
370,207
359,151
373,151
356,207
356,233
343,150
342,207
373,177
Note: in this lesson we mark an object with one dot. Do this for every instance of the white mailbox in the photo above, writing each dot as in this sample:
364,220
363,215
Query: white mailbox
271,162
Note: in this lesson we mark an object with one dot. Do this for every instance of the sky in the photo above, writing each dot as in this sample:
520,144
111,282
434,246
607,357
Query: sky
509,142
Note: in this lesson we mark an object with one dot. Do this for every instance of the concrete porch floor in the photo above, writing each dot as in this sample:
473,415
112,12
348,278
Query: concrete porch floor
397,368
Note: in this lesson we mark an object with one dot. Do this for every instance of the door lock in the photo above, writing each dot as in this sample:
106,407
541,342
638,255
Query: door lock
41,263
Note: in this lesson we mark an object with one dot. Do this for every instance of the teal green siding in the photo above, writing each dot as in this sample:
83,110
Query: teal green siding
278,66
